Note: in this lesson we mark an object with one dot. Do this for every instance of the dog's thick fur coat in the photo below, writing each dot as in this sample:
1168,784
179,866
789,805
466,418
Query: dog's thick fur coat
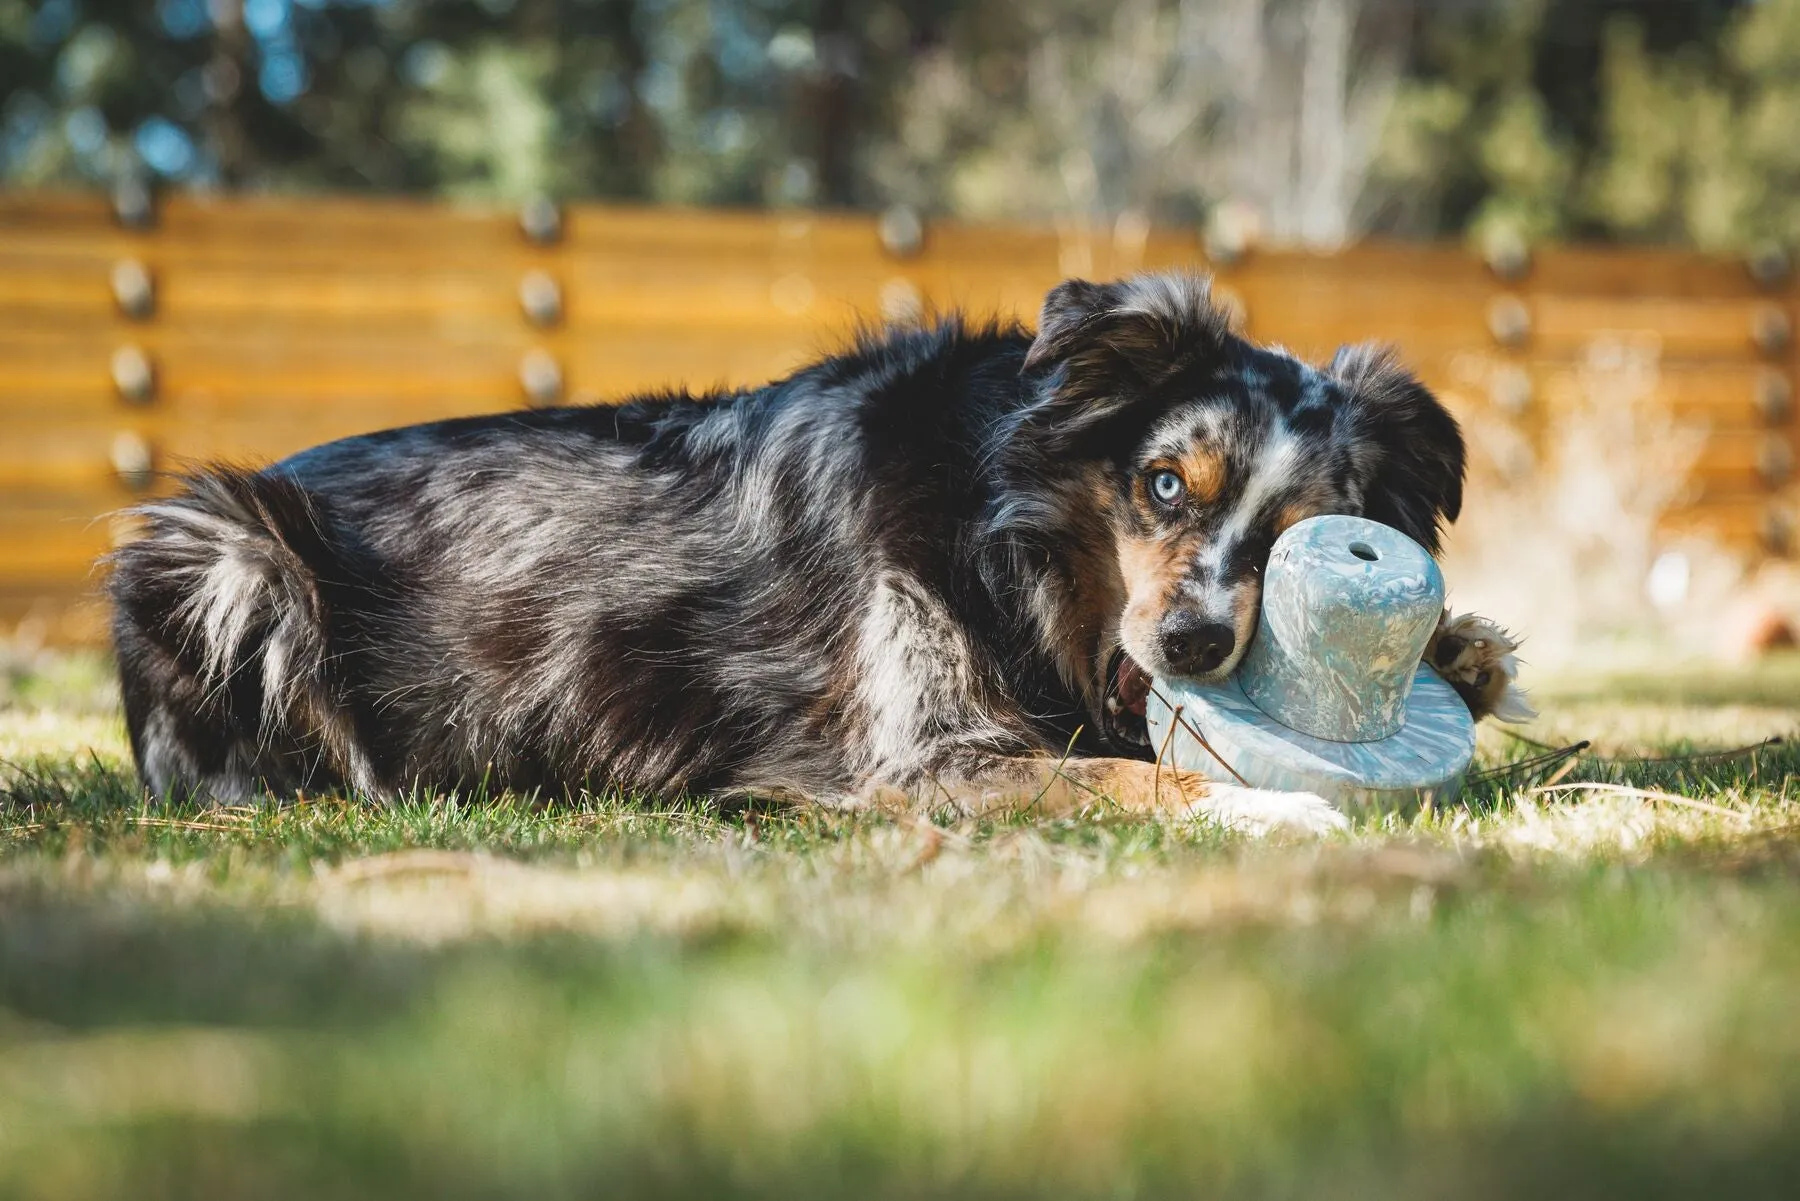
919,568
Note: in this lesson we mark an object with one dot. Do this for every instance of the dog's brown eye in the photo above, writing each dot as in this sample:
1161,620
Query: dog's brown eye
1167,488
1482,678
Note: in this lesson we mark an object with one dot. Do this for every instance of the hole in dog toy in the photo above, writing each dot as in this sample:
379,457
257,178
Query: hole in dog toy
1364,551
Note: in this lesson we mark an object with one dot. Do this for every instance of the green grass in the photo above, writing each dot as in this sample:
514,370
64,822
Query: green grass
1586,995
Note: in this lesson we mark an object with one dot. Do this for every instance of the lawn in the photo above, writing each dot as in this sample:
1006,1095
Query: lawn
1587,993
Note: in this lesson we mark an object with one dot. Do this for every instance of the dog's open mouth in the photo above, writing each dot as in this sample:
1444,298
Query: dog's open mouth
1127,690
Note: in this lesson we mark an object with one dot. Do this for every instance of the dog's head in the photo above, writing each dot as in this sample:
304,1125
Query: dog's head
1203,448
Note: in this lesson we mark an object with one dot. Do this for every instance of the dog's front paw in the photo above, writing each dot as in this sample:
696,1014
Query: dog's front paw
1262,811
1476,658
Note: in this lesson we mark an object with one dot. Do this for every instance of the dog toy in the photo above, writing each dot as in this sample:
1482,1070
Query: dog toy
1332,696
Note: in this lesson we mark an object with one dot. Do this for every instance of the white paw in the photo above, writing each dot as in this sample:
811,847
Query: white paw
1262,811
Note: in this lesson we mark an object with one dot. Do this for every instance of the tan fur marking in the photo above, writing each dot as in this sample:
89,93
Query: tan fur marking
1047,787
1292,516
1204,472
1152,568
1246,609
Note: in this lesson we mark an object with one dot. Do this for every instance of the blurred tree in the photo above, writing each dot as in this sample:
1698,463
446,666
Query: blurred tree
705,101
1569,118
1315,120
1699,145
1159,108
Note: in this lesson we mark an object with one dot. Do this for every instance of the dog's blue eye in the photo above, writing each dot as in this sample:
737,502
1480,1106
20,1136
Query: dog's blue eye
1167,488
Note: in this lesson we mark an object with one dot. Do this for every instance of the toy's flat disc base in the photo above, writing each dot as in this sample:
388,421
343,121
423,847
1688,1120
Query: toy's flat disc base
1424,762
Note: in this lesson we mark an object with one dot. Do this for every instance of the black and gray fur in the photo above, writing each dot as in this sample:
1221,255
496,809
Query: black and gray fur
901,563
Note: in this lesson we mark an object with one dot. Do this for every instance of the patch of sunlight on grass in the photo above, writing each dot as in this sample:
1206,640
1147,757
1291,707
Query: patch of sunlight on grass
47,733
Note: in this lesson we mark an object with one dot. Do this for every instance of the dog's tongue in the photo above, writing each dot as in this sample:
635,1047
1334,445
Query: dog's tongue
1132,686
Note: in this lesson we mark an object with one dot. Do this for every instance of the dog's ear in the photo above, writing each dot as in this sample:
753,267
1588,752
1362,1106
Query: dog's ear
1103,346
1144,324
1073,308
1410,449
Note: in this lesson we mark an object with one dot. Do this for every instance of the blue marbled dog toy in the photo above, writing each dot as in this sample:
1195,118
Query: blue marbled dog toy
1332,697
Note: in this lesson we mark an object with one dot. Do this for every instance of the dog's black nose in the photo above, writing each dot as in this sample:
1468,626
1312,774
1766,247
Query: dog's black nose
1193,646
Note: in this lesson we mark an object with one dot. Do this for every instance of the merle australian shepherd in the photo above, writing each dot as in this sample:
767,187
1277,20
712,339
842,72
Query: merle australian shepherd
937,568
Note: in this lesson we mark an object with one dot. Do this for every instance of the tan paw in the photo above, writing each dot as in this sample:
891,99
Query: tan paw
1476,657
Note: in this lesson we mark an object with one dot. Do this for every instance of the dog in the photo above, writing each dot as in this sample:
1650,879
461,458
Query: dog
938,568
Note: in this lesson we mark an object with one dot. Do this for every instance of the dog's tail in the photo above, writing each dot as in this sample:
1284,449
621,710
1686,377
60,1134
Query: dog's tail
227,577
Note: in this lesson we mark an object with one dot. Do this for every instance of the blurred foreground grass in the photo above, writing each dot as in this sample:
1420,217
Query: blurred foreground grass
1579,994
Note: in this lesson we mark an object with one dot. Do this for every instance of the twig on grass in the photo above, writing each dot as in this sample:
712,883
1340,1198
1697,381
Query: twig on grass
1695,757
1156,783
165,823
1563,759
1199,737
1556,777
1057,773
1568,757
1647,794
1705,756
161,823
1156,780
176,823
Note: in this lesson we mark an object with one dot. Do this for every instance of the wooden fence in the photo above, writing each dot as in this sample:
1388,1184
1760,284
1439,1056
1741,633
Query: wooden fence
253,327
